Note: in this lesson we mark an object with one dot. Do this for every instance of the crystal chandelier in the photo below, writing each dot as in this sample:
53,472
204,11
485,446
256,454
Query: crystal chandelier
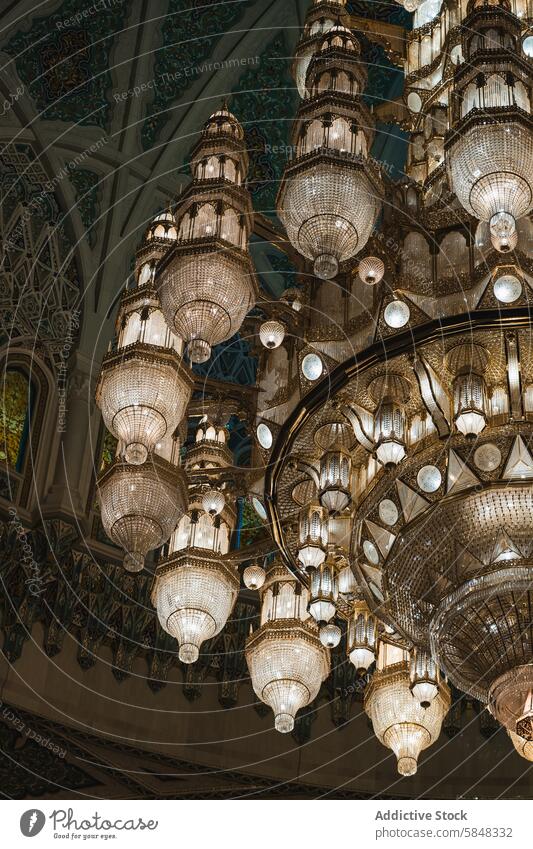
523,747
144,386
489,149
424,677
331,191
196,582
196,586
286,659
391,393
140,505
400,722
389,433
390,444
207,283
194,595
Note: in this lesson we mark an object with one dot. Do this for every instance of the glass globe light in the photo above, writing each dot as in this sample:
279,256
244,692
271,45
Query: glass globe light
527,46
370,551
371,270
313,535
194,594
507,288
429,478
142,395
424,677
362,635
388,512
140,506
330,635
312,366
488,457
396,314
335,474
505,243
399,721
286,660
254,576
264,436
272,334
213,502
259,508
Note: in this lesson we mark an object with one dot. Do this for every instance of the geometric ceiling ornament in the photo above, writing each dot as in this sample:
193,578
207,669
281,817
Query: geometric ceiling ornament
459,475
504,549
467,564
383,537
519,462
412,503
372,574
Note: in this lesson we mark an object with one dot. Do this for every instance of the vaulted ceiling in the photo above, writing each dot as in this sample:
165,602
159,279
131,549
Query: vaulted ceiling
104,105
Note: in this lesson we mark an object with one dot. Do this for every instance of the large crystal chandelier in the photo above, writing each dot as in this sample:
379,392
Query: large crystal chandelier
140,505
286,659
194,594
391,447
331,191
196,583
144,386
489,149
400,722
207,282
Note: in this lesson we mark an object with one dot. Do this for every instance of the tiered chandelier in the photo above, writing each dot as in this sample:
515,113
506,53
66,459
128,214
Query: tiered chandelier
399,481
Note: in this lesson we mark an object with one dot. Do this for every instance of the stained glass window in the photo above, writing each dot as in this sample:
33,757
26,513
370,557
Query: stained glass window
109,450
15,410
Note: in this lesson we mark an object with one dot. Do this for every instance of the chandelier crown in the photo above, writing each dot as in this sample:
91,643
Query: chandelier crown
207,283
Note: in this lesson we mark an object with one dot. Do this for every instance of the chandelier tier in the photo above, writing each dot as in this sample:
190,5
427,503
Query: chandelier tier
140,505
322,16
286,659
489,149
400,722
194,595
441,541
196,584
330,195
207,282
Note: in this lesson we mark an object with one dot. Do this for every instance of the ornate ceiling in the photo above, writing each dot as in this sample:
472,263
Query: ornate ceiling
110,105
